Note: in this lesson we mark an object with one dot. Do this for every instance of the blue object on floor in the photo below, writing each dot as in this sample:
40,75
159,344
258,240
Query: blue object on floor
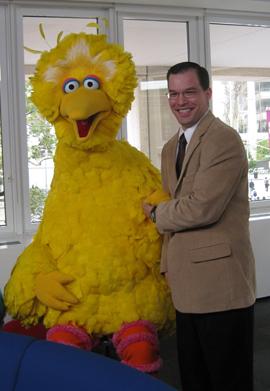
30,364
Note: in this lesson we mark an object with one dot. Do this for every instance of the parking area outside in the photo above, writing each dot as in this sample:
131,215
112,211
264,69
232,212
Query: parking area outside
259,185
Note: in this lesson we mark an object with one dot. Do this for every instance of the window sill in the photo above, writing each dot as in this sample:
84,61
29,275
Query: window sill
8,243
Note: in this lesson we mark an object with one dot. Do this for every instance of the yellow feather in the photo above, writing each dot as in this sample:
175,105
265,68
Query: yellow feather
59,36
32,50
106,22
92,24
41,30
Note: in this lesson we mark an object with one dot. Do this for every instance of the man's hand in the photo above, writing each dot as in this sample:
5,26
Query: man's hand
147,208
50,290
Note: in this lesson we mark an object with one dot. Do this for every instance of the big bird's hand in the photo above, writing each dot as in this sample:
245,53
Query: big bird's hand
50,290
156,197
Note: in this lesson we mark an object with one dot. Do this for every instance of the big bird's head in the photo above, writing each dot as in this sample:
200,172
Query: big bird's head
84,87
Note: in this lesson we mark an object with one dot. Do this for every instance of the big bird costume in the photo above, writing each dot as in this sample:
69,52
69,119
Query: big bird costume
92,269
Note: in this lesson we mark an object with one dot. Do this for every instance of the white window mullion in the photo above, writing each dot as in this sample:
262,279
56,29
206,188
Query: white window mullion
8,119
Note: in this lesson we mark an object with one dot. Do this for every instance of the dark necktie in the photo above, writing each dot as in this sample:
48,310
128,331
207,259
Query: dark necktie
180,155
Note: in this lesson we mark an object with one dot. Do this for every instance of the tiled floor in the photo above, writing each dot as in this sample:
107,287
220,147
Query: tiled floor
169,373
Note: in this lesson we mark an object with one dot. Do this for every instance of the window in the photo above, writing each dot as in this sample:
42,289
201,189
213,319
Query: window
150,123
241,94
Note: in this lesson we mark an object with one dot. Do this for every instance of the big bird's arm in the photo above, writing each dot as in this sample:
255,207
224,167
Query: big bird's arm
153,200
157,196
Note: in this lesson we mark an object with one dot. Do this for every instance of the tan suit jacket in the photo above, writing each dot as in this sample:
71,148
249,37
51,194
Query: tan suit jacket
207,251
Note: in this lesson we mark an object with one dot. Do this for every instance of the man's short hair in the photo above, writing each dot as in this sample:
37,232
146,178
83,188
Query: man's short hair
183,67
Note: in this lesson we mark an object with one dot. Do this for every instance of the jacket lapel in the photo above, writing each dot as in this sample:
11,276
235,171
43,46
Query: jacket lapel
194,142
171,156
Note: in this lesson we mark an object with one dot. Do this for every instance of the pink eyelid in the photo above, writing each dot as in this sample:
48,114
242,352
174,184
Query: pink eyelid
93,77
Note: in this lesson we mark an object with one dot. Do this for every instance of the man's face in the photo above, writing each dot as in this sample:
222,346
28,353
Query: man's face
187,100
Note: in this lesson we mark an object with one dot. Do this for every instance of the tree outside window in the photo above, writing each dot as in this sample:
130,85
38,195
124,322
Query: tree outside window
243,105
41,142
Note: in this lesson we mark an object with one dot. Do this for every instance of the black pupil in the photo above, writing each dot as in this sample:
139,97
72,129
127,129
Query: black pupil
90,84
71,86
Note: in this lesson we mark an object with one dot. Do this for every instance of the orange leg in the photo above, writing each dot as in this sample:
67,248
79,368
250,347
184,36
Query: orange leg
69,334
136,344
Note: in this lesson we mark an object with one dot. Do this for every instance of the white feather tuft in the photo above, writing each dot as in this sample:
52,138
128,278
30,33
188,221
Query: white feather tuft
52,74
80,49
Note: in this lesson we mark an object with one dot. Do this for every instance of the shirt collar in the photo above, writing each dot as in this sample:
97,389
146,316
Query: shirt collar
189,131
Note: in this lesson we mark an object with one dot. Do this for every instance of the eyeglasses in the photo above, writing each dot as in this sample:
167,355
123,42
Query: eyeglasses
190,93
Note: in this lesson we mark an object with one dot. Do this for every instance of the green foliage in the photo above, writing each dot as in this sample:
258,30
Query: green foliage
37,200
263,152
41,146
251,163
41,137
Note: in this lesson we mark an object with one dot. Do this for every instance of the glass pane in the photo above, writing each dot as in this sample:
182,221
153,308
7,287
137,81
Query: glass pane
150,122
41,140
2,189
241,94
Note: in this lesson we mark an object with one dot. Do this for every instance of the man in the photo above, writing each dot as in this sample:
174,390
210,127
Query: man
207,256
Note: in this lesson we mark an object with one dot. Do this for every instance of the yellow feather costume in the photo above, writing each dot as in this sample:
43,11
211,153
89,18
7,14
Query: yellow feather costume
93,226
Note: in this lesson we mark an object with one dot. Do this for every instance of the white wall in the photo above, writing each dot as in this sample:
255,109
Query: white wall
8,256
260,238
9,252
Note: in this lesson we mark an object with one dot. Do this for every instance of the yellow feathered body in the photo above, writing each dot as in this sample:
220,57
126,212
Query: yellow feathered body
93,227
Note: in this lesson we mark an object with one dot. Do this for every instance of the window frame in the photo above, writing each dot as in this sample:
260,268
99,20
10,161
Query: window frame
195,30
